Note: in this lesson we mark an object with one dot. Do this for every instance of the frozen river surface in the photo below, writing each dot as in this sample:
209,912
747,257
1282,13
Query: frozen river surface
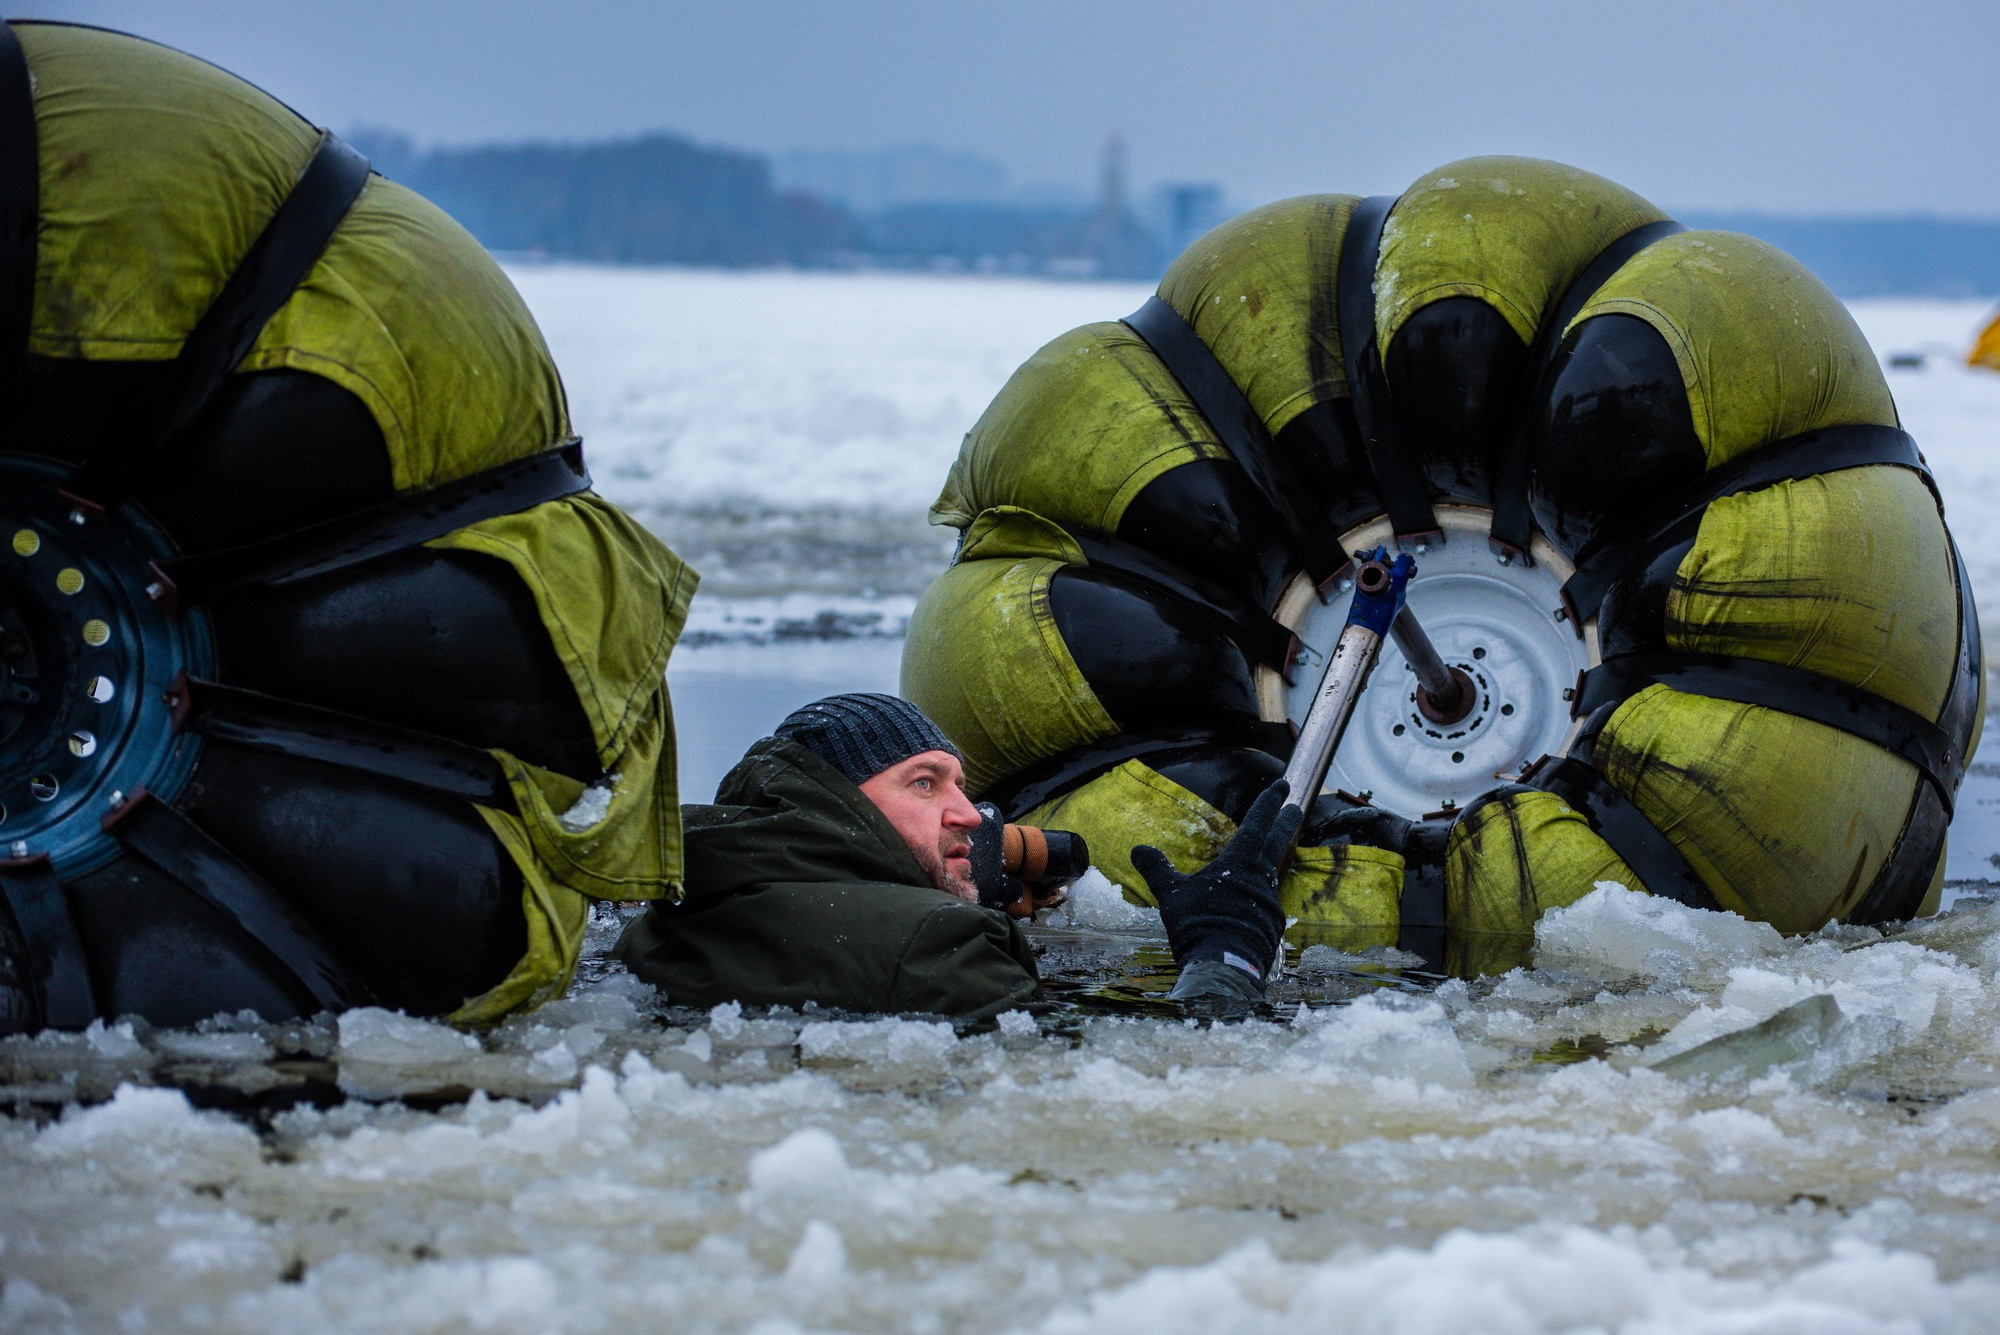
1672,1121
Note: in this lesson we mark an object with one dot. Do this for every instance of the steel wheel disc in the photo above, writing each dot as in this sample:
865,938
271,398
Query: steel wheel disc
1496,621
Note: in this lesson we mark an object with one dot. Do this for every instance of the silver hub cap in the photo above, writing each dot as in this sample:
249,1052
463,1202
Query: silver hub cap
1495,621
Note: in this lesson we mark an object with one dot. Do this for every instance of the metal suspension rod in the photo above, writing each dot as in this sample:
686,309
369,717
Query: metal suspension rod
1377,587
1442,687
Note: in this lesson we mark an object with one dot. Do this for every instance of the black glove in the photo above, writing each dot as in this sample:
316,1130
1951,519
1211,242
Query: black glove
997,886
1228,911
1003,856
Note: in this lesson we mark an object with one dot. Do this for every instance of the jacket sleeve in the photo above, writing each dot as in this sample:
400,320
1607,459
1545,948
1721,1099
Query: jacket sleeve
967,962
1210,987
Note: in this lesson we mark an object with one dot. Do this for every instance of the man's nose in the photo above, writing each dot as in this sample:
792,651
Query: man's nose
961,814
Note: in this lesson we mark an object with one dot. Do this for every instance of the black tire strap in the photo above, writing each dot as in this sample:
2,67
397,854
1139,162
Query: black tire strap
1809,454
1261,637
403,521
20,207
190,855
1905,875
1399,477
1794,691
1622,825
58,977
283,727
1236,424
1066,771
270,271
1513,522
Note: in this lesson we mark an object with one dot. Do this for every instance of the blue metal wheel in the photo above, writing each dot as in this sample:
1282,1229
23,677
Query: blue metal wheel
92,645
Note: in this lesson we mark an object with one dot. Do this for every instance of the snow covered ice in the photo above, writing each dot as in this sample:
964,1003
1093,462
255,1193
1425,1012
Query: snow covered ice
1490,1156
1672,1121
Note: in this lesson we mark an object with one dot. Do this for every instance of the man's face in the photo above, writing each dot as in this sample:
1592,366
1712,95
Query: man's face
924,798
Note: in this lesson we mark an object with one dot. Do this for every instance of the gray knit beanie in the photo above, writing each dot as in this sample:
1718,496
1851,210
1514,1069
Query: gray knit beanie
864,733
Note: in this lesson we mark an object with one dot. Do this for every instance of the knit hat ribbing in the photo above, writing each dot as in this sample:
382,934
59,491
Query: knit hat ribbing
863,733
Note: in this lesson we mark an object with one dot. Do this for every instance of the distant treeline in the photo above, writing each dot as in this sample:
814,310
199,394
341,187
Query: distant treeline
663,199
659,199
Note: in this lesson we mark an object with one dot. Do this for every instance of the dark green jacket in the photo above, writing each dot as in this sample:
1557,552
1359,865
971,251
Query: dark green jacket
799,890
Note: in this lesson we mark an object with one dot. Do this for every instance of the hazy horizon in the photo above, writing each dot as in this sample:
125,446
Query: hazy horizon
1785,108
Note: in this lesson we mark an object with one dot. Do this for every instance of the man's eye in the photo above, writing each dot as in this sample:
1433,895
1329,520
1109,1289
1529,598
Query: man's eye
924,785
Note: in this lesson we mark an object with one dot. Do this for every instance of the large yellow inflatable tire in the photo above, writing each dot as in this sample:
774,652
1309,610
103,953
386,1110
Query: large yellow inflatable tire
1665,522
324,677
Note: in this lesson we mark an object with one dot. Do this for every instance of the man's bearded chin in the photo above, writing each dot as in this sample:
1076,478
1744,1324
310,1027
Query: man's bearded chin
932,860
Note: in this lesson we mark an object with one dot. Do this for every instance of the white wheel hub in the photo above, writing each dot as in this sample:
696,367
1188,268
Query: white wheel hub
1495,621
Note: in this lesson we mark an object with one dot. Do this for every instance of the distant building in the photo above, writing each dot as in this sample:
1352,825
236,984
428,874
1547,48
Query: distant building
1186,210
1111,242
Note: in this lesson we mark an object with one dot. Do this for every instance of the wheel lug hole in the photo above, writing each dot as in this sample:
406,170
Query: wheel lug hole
44,787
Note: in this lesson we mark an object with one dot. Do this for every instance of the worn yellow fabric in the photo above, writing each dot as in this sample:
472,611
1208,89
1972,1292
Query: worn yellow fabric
983,657
1351,889
1513,859
145,151
615,599
1259,290
1846,574
556,918
1784,820
1130,805
1344,890
411,315
1511,232
1076,433
1765,349
632,852
1011,530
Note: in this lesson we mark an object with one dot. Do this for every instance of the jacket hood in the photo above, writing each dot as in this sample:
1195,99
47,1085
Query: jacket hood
784,814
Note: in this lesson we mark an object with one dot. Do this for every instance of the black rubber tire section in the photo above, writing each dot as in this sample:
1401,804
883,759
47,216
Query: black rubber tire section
1206,517
1455,371
1149,657
1614,433
411,888
445,642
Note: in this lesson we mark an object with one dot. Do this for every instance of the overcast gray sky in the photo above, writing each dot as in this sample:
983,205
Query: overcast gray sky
1769,104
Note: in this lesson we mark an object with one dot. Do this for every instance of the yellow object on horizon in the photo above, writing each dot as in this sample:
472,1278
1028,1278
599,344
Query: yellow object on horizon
1986,348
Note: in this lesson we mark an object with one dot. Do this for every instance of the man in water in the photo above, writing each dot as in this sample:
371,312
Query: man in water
836,867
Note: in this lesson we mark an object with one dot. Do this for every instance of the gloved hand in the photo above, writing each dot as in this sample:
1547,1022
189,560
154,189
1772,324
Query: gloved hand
997,886
1022,871
1228,911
